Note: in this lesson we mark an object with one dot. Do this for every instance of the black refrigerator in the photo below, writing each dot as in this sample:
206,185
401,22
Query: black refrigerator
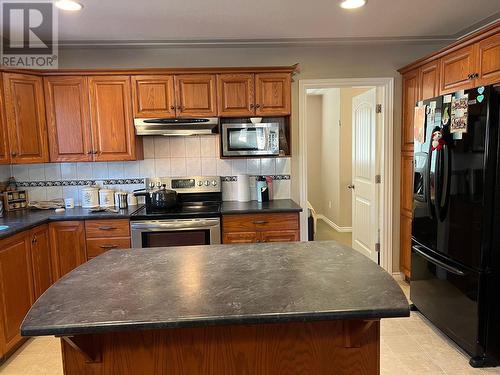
455,261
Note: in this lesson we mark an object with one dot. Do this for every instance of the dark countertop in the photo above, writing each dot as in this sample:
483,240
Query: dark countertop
276,205
138,289
19,221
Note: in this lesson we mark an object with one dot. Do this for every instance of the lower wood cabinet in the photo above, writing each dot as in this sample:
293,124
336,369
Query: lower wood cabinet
41,260
104,235
68,248
251,228
16,288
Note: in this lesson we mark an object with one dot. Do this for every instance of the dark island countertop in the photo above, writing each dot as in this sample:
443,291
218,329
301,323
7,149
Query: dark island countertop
139,289
273,206
19,221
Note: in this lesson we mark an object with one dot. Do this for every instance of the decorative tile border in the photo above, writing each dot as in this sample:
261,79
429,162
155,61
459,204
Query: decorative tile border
274,177
128,181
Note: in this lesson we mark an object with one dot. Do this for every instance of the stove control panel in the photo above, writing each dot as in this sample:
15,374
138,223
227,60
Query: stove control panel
193,184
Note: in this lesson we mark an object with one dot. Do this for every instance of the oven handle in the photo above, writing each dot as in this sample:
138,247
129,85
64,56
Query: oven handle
174,224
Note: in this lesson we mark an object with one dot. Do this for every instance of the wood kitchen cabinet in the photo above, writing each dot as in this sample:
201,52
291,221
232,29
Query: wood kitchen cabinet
68,118
153,96
41,259
251,228
196,95
111,115
273,94
457,69
104,235
68,249
4,143
25,118
236,94
488,61
410,98
429,80
16,288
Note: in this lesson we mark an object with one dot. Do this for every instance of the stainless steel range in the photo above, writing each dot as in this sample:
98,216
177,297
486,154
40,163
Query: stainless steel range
193,220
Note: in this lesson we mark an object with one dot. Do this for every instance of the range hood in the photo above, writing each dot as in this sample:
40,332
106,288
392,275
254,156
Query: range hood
176,126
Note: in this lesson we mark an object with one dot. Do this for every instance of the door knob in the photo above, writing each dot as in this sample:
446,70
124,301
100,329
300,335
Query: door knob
351,187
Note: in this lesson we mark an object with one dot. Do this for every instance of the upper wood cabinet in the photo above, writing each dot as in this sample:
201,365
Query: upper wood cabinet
273,94
16,288
153,96
457,69
68,118
41,260
67,245
196,95
488,64
25,116
111,115
429,80
410,98
4,143
236,94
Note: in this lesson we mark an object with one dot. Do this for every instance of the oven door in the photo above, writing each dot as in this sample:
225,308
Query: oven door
177,232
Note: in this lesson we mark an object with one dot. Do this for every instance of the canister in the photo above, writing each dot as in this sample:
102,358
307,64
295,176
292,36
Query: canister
106,198
90,197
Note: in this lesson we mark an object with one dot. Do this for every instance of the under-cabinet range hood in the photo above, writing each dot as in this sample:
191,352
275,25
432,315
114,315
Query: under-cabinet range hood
176,126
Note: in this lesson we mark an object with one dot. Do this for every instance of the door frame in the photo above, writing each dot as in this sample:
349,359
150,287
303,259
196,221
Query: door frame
386,87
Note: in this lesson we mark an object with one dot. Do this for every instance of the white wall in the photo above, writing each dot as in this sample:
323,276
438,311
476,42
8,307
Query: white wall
314,136
328,61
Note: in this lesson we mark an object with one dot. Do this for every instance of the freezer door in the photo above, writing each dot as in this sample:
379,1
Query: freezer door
447,295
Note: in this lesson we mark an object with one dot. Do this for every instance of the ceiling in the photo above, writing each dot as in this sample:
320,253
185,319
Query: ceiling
216,20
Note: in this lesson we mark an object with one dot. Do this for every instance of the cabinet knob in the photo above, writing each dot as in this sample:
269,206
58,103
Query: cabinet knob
252,105
89,152
172,107
257,105
14,154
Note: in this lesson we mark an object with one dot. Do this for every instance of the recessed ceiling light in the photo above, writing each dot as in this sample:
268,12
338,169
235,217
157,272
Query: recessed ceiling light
68,5
352,4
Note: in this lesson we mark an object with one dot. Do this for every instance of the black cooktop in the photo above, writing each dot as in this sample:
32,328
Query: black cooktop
182,210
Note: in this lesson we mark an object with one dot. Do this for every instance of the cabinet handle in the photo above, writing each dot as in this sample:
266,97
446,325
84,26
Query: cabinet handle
476,75
107,227
257,105
261,222
108,246
252,106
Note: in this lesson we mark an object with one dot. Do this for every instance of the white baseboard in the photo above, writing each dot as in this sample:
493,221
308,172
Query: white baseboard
398,276
333,225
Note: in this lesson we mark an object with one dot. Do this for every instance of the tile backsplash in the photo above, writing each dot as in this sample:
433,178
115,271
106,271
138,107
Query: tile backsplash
163,156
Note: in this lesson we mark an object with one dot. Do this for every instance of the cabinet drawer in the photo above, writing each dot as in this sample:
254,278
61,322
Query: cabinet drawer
107,228
280,236
240,237
97,246
260,222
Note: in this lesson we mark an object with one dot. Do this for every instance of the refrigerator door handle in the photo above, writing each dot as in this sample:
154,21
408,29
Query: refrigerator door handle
437,262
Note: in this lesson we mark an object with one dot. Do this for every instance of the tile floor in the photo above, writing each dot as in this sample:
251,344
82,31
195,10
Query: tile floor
409,346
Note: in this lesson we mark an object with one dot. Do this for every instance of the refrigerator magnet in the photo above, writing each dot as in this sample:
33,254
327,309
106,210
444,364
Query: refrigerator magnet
419,124
459,112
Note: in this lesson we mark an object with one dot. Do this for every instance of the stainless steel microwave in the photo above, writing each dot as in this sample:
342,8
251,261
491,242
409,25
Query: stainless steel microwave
250,139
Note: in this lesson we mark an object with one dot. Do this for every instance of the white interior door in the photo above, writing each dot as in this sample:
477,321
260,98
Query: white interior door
364,164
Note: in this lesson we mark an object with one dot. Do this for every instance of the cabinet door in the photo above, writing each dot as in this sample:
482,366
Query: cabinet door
41,260
153,96
68,118
16,292
240,237
4,143
488,66
410,98
456,70
273,94
196,95
429,80
279,236
25,114
407,182
236,94
67,246
405,245
111,115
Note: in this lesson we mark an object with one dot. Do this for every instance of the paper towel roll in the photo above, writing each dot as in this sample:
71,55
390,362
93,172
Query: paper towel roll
243,188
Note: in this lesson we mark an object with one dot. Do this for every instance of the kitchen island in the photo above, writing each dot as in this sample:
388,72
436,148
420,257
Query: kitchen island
295,308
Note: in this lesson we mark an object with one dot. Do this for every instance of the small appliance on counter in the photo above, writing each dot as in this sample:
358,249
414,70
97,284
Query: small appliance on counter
242,188
262,190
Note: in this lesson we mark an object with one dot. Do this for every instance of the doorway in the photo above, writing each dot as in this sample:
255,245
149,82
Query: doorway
346,163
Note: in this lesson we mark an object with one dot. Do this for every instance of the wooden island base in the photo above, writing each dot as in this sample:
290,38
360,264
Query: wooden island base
338,347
